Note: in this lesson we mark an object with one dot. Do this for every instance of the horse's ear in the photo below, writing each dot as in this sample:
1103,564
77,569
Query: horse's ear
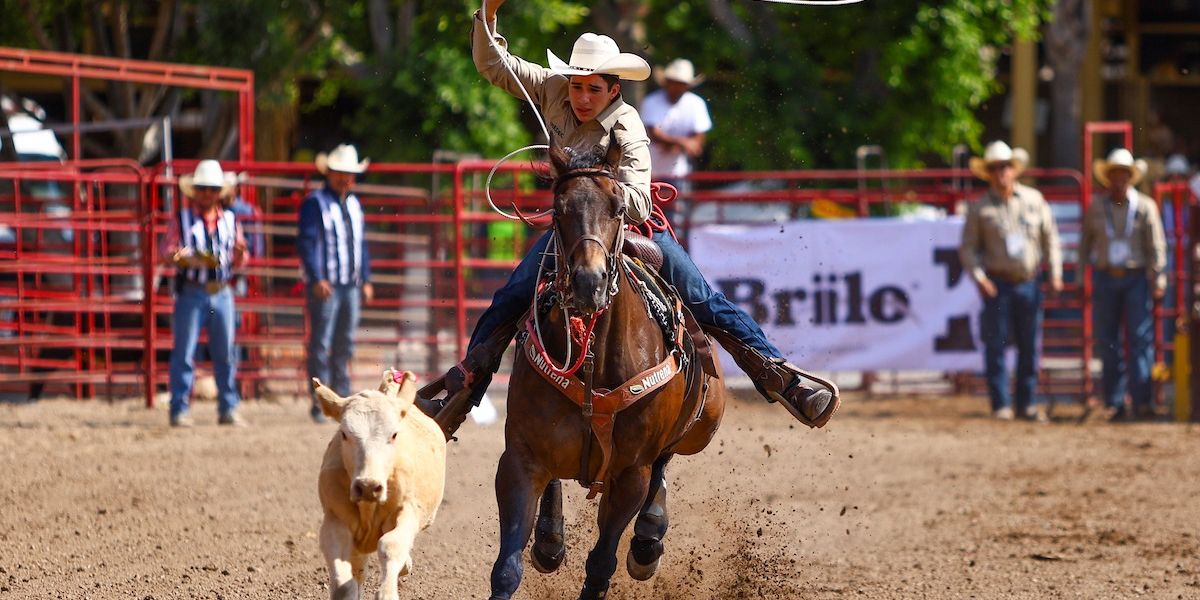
559,159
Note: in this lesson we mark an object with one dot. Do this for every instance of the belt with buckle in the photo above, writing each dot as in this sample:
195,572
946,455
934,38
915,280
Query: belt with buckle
1116,272
1006,278
210,287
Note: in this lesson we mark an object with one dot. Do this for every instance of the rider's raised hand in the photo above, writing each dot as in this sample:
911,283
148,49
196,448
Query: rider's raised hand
490,8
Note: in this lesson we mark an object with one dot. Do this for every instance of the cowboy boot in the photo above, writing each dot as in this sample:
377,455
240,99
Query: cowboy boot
466,382
781,381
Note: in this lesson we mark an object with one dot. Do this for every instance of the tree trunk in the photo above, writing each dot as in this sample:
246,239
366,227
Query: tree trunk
1066,44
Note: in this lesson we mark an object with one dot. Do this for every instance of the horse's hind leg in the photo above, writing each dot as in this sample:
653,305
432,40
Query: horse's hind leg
518,481
646,547
549,539
621,502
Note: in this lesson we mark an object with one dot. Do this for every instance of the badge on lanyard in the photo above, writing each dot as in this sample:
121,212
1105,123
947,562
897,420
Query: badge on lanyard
1119,251
1014,242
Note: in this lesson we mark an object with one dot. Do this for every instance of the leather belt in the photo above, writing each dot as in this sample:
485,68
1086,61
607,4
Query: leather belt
1005,277
209,287
1117,272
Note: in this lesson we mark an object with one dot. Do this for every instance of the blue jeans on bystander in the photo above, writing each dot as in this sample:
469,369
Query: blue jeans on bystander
1126,297
1015,315
196,308
332,325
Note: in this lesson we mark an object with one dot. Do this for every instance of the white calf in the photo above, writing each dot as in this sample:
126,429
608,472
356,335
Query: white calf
381,482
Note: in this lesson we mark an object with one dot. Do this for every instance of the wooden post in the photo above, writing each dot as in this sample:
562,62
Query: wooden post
1024,96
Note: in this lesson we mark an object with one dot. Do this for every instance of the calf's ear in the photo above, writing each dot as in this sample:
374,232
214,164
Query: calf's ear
406,391
331,403
390,385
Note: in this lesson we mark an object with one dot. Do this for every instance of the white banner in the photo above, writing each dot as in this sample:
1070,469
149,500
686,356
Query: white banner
850,295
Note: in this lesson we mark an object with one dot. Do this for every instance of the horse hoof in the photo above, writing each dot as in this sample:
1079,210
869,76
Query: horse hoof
591,592
638,571
547,560
643,558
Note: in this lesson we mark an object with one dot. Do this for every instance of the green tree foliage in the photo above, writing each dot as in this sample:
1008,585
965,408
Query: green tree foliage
282,42
418,85
788,86
793,86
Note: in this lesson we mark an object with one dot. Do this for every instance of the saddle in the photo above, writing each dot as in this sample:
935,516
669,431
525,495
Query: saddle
642,248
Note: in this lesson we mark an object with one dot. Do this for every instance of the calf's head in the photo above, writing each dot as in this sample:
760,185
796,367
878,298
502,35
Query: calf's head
369,425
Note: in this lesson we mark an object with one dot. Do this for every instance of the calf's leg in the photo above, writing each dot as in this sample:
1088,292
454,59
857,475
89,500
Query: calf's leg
345,565
395,553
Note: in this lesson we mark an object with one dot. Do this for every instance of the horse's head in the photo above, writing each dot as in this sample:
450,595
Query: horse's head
589,213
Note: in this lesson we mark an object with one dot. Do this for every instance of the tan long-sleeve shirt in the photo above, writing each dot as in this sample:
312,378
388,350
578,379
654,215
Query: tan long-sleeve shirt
1147,244
550,92
1009,238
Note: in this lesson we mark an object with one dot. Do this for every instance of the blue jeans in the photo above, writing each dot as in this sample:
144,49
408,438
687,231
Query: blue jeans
1129,297
710,307
1014,315
195,308
332,324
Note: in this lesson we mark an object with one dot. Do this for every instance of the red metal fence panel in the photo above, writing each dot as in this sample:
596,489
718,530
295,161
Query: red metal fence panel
72,312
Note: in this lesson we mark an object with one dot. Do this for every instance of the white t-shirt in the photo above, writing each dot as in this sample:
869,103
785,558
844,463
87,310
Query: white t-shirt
688,116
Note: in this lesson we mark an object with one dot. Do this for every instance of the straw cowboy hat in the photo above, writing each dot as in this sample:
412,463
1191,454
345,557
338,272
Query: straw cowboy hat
1119,159
343,159
998,152
598,55
681,70
208,174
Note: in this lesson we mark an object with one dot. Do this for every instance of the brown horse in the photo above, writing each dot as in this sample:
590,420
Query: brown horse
547,435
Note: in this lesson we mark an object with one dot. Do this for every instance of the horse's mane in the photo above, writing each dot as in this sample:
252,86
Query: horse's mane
576,159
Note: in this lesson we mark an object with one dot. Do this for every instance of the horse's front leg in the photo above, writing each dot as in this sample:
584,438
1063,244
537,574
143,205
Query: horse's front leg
549,535
518,483
621,502
646,547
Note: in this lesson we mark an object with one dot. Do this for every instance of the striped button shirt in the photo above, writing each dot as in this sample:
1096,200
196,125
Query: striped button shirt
190,232
330,241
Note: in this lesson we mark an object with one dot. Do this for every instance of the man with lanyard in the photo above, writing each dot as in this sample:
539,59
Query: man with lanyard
1124,242
337,269
204,244
1007,234
581,102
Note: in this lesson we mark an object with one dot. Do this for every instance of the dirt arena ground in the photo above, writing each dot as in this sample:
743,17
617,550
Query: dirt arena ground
897,498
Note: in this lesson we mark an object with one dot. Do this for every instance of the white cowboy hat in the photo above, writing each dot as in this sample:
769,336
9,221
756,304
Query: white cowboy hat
1119,159
998,152
343,159
681,70
208,173
1177,164
598,55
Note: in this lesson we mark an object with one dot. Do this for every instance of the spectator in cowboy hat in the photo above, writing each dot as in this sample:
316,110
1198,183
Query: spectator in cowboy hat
677,121
337,269
1008,232
1123,240
204,244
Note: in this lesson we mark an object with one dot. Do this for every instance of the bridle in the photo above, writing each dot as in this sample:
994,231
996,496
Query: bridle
612,255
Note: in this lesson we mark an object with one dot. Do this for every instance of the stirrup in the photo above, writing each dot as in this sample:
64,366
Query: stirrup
818,421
